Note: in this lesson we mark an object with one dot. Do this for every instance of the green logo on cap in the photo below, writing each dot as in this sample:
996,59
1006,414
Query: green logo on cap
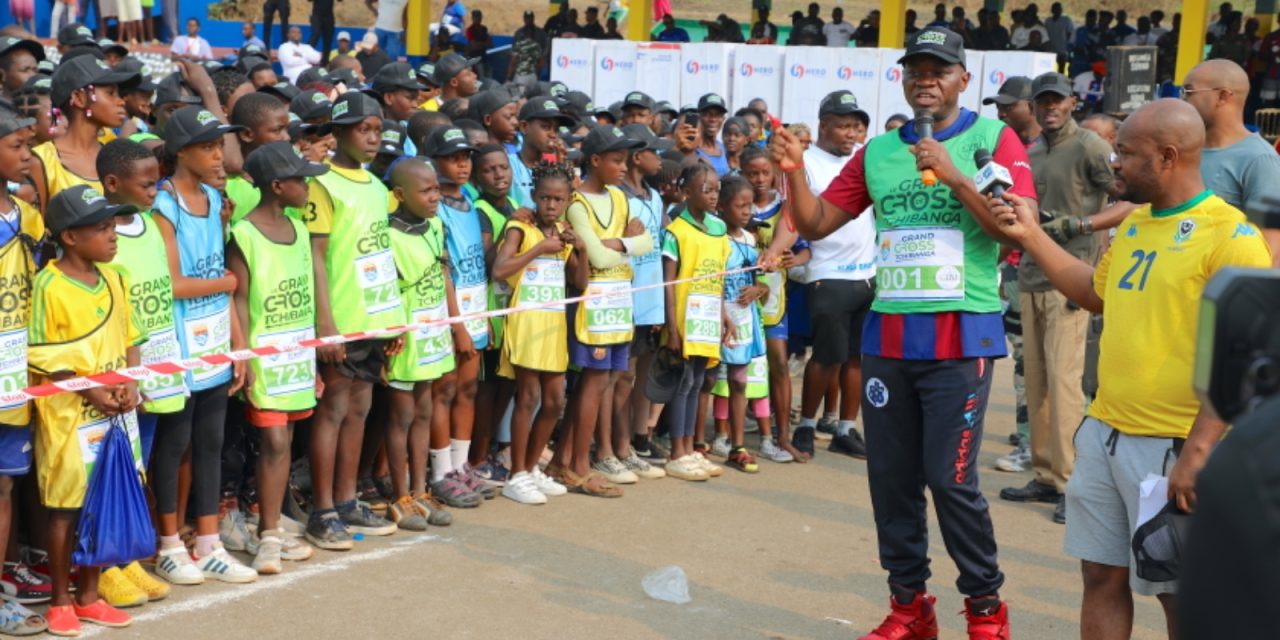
91,196
102,65
341,109
84,31
44,83
714,99
204,118
848,99
549,104
453,134
591,106
391,136
932,37
636,96
409,74
318,98
617,133
293,117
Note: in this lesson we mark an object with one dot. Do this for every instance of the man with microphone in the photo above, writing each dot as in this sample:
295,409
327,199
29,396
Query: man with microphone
933,329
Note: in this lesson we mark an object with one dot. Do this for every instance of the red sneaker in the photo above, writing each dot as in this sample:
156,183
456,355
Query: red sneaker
987,624
915,621
103,614
62,621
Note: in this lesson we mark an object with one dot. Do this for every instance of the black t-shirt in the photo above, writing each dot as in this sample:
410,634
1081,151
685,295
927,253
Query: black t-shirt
593,31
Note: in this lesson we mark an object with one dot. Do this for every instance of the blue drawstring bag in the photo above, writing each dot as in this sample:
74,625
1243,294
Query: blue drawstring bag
115,525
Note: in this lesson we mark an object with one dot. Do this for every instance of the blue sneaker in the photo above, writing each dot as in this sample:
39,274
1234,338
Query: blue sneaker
492,473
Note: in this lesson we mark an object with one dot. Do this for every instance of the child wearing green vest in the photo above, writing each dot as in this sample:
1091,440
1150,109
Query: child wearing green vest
265,120
355,284
270,256
417,240
491,176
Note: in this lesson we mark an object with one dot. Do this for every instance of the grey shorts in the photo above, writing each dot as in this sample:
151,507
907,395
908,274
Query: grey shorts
1102,497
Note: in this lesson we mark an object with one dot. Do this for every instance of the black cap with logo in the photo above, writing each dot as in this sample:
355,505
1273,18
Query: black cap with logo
486,102
172,89
839,103
134,65
712,101
427,73
638,99
10,122
448,67
353,107
80,206
279,161
9,43
282,90
82,71
251,64
543,108
396,75
943,44
194,125
111,46
1015,89
393,136
446,141
642,133
75,35
311,104
1051,82
606,138
310,75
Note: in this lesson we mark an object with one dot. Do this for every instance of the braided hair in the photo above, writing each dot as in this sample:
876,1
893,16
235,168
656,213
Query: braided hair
551,171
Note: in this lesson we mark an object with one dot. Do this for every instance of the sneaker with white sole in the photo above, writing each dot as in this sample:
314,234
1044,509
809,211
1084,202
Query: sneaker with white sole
769,450
292,527
359,518
614,471
232,531
267,558
220,565
176,566
520,488
291,549
720,446
1018,460
713,470
686,468
638,466
546,485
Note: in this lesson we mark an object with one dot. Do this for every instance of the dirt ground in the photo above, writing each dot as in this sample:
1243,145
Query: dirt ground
786,553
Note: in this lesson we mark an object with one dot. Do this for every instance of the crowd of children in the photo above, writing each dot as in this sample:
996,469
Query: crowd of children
219,209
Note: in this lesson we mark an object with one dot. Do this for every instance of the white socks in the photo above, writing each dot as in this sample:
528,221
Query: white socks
441,463
808,422
846,426
459,450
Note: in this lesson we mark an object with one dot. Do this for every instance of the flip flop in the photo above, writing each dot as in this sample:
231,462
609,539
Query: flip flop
592,484
17,620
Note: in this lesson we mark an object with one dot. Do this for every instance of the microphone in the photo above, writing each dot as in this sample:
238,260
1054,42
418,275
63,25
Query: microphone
991,178
924,128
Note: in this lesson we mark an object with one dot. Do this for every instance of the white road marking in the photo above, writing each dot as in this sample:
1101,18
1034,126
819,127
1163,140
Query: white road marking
186,605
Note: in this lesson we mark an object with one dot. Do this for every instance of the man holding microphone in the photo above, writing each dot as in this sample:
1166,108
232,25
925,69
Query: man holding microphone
933,329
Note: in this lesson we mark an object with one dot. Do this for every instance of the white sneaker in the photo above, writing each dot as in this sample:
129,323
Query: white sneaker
521,488
720,446
546,485
614,471
176,566
712,469
686,468
292,527
219,565
641,468
267,560
232,531
291,548
770,450
1018,460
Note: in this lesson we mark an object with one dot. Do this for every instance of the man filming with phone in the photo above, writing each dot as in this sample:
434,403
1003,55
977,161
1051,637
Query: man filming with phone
934,327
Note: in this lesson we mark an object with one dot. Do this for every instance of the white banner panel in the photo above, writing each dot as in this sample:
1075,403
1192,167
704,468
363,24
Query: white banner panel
757,73
892,100
811,74
615,71
657,63
705,68
859,72
572,62
998,66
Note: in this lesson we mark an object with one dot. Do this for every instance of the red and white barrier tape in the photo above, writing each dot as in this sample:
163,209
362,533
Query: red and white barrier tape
146,371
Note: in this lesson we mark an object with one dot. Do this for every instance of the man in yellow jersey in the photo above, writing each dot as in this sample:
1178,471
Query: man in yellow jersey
1146,418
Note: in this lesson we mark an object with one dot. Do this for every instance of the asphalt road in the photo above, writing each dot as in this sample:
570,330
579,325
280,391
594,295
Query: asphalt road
786,553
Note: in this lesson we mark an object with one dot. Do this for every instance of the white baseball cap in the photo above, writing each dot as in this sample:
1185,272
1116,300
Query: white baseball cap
343,35
370,38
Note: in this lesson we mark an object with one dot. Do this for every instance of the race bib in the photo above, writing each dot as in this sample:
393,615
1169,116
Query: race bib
205,335
741,320
291,371
13,364
543,282
921,264
376,274
162,346
772,305
610,311
434,342
758,371
702,318
474,299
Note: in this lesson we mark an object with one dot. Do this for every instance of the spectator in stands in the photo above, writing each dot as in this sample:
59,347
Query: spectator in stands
958,20
570,26
724,29
479,42
529,50
1022,31
839,32
1268,53
249,31
1106,37
1088,86
322,26
454,14
270,9
1237,164
1157,17
389,26
1084,46
370,56
1061,32
611,30
1219,28
593,29
911,27
191,46
1167,51
344,46
1233,45
295,57
670,32
1122,29
1144,36
940,16
868,33
990,34
1035,42
813,17
763,31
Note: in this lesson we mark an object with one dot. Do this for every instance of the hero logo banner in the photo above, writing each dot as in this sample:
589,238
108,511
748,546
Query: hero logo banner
693,67
748,70
893,74
801,71
996,77
609,64
849,73
565,62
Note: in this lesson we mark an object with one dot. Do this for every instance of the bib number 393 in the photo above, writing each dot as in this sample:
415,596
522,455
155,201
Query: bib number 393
921,264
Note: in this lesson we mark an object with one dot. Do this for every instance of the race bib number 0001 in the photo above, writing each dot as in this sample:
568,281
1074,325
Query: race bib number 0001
921,264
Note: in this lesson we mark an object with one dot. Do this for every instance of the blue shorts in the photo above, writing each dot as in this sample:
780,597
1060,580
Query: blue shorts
612,357
777,331
15,450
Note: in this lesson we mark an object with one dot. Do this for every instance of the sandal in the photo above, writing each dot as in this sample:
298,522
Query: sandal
17,620
703,448
741,460
592,484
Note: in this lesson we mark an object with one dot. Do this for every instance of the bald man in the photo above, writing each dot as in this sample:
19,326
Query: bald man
1146,419
1238,165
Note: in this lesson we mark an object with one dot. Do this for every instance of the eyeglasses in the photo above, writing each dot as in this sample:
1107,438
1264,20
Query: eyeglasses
1187,92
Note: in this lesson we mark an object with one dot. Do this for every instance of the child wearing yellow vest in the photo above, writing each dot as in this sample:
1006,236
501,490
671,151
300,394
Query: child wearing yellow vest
538,259
600,339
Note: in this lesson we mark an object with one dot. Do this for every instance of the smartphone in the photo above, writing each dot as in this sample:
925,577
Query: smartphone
691,119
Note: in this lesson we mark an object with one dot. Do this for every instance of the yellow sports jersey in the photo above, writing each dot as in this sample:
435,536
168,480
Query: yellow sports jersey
22,228
56,176
83,330
318,213
1151,280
